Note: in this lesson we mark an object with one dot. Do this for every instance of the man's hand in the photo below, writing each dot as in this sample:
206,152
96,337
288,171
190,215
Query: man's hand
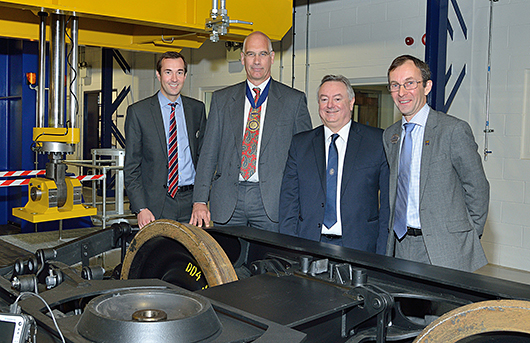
200,215
145,217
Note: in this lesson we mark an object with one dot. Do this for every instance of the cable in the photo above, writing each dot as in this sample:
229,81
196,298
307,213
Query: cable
24,294
487,129
73,70
33,146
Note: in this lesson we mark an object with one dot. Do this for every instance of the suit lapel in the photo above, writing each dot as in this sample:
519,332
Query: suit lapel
236,107
319,148
273,113
428,139
156,115
352,148
395,144
188,115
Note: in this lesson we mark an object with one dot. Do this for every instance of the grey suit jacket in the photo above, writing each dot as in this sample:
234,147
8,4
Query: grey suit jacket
220,160
146,163
454,191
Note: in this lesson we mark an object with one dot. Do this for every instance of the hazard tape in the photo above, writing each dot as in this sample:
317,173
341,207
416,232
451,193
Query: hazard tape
17,182
90,177
22,173
21,182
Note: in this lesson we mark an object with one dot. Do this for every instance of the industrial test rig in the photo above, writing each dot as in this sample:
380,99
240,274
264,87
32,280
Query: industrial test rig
179,283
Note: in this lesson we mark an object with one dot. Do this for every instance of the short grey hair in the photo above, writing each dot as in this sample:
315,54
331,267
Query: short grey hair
259,33
338,78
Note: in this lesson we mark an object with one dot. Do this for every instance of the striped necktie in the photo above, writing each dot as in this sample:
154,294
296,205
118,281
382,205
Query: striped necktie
173,154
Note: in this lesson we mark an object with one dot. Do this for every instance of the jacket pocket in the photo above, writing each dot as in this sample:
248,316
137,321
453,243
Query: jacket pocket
458,226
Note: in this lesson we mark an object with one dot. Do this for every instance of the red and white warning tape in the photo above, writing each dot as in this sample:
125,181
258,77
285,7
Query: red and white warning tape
22,173
21,182
17,182
90,177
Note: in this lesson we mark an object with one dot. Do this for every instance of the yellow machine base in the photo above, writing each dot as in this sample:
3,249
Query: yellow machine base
54,213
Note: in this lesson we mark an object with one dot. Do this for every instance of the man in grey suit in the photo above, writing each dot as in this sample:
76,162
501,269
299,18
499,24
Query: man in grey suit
439,194
247,139
148,125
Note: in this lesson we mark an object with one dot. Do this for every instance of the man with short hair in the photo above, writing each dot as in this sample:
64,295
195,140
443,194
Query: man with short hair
439,194
249,131
335,184
163,134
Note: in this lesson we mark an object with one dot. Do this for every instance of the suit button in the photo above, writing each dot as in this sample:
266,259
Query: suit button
322,204
319,225
165,186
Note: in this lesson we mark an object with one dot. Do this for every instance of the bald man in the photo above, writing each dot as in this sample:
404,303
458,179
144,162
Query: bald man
246,143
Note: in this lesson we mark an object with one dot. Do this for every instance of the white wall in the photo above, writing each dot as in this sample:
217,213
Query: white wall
360,38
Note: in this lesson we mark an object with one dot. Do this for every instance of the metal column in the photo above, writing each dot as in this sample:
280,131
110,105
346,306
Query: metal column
436,50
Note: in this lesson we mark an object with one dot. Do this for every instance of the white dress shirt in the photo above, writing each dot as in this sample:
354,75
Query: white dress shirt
341,142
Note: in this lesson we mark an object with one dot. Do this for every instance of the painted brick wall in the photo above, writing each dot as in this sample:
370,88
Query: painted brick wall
360,38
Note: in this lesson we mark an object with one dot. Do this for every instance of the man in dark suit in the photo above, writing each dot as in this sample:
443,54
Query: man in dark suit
159,187
343,201
439,194
250,127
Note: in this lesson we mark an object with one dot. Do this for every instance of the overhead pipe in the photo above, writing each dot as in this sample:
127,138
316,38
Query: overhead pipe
57,57
308,14
219,27
294,42
215,9
41,90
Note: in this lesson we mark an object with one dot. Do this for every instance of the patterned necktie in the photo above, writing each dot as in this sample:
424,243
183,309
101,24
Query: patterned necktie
405,158
250,140
173,154
330,211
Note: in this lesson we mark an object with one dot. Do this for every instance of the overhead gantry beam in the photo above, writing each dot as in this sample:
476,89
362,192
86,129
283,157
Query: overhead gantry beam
144,25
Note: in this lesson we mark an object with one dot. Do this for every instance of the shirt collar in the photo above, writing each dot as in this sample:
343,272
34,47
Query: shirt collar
165,101
261,86
343,132
420,118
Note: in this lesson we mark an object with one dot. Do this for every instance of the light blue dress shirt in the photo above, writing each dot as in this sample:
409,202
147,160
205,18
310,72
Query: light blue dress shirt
186,168
413,201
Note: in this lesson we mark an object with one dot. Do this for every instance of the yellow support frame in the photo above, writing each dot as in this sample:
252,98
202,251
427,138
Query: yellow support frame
142,25
39,210
53,134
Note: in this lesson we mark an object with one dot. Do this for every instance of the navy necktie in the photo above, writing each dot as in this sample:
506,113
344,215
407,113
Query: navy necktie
405,158
330,211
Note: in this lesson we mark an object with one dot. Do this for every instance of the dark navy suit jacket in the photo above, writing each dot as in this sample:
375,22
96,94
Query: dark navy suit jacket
364,189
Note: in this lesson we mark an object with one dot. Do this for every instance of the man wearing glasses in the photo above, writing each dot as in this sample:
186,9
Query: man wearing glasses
248,134
439,194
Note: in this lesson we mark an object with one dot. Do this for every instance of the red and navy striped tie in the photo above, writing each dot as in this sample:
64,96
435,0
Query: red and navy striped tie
173,154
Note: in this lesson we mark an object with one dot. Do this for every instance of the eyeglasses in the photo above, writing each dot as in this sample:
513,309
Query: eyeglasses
409,85
261,54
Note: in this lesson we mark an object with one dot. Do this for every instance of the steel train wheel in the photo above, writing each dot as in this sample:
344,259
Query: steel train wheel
182,254
481,322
